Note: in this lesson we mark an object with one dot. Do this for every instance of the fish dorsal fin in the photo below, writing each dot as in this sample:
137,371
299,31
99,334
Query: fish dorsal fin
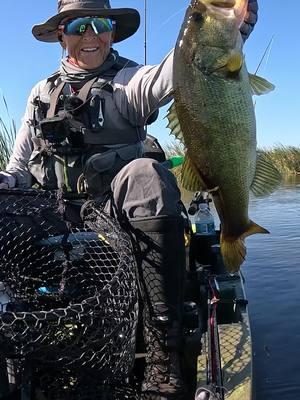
174,124
260,85
190,179
267,178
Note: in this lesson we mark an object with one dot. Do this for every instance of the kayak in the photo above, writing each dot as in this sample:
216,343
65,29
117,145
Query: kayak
225,363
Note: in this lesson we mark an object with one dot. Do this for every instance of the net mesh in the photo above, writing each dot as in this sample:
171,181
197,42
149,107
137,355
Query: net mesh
68,298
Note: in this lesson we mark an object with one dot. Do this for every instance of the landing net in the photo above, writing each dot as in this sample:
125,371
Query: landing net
68,297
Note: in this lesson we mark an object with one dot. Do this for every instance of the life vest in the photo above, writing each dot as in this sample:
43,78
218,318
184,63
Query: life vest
68,130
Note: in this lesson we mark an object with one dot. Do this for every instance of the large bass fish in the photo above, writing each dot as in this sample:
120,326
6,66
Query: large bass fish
213,114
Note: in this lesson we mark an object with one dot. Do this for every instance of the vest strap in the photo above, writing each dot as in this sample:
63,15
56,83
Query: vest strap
85,90
54,99
82,95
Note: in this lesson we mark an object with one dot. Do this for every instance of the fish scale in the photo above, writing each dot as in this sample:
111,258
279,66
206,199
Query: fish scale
217,128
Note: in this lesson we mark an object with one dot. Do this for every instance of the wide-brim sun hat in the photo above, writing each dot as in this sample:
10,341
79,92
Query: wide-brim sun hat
127,19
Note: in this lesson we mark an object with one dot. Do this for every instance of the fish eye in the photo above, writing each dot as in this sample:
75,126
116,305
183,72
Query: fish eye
197,17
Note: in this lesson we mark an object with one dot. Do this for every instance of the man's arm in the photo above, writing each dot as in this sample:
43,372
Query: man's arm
250,20
18,163
139,91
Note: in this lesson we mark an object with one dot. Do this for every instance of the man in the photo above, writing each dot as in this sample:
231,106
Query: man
85,124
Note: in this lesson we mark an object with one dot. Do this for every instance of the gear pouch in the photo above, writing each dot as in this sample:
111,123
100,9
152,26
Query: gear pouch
99,171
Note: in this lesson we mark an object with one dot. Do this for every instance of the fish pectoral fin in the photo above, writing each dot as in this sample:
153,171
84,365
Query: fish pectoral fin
233,249
231,62
174,124
190,179
260,85
235,61
267,177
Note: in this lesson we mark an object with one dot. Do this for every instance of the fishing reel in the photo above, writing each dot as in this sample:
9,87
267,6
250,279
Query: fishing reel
200,197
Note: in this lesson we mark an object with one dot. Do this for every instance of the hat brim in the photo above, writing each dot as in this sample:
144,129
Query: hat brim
127,22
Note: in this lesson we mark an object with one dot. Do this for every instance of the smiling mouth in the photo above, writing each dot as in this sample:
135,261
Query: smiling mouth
90,49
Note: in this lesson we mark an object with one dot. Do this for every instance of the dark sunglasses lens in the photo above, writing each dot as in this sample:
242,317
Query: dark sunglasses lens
79,25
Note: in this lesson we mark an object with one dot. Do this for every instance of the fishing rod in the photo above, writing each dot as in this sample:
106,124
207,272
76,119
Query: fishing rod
145,32
145,42
266,53
268,49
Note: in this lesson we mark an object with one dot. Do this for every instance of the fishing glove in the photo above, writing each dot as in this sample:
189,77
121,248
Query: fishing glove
250,19
7,181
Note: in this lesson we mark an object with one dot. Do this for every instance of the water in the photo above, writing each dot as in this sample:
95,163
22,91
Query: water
272,273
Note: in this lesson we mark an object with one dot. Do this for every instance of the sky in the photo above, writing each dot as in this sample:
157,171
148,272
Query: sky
25,60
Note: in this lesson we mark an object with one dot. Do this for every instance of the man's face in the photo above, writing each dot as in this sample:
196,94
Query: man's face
89,50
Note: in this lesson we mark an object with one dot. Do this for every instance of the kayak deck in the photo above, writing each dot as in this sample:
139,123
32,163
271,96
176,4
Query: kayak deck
234,342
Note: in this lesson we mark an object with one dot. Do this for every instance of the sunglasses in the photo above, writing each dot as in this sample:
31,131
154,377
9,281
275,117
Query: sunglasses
79,26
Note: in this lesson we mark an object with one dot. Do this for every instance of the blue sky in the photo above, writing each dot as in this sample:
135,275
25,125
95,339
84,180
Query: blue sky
25,60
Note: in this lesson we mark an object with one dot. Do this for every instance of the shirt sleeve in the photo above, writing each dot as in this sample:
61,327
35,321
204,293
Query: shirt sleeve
139,91
18,162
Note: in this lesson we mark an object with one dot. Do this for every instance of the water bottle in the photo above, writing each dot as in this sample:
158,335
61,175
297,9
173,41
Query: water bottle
204,221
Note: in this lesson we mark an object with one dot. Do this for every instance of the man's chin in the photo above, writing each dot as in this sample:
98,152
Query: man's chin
92,63
89,61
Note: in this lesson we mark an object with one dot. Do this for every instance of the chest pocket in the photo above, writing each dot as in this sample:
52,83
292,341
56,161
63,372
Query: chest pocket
107,125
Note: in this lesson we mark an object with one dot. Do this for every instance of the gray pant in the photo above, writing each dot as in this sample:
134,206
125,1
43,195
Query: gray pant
144,188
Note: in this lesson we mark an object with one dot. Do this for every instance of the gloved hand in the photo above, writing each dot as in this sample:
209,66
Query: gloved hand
7,181
250,19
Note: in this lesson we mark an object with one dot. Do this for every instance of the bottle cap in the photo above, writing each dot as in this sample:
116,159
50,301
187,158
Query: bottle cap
173,162
177,160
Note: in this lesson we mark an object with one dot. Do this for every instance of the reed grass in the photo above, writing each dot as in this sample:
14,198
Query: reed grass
7,136
174,148
285,158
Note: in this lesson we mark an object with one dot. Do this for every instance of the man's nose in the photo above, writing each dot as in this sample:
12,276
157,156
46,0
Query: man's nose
89,33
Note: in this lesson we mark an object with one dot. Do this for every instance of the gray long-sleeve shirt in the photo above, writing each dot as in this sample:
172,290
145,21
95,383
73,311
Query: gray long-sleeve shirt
137,93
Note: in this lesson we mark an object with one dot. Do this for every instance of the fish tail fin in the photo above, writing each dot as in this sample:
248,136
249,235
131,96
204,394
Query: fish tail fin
233,249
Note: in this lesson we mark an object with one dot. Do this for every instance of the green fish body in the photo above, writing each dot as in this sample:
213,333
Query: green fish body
214,106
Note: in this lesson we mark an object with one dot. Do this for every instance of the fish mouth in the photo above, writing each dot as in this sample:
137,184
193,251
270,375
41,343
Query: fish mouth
223,3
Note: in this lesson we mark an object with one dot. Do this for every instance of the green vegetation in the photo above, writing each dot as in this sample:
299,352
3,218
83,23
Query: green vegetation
7,137
174,149
285,158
